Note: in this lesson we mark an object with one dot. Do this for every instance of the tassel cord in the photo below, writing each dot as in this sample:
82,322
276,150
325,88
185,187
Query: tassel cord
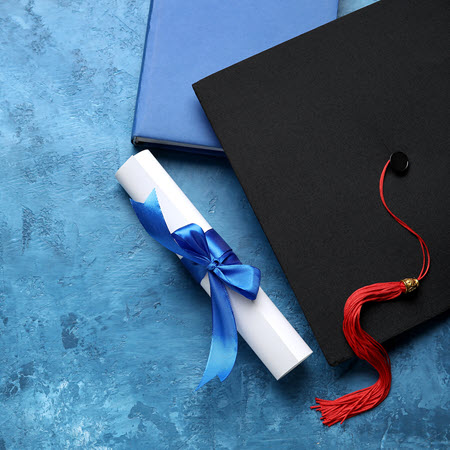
425,252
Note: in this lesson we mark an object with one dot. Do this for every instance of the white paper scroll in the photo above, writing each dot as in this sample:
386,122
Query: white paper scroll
259,322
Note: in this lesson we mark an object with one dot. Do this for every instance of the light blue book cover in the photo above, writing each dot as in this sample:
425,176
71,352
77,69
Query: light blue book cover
188,40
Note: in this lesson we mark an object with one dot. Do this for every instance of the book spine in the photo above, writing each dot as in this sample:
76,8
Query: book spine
145,55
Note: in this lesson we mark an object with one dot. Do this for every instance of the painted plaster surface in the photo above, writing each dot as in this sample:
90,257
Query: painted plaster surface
103,335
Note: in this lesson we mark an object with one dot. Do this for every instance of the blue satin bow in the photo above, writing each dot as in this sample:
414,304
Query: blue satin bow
206,253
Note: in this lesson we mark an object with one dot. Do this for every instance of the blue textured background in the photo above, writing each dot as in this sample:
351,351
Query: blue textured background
103,335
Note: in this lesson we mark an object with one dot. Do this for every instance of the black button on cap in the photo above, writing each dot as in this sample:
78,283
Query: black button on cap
399,162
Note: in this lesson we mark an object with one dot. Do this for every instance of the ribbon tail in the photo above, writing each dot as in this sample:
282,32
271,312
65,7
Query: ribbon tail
224,342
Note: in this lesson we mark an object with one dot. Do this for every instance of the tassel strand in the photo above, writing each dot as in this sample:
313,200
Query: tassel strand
367,348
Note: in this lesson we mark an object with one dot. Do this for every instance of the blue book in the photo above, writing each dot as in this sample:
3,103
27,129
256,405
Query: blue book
190,39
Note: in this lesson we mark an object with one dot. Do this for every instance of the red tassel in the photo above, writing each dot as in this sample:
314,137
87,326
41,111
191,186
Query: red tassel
364,345
367,348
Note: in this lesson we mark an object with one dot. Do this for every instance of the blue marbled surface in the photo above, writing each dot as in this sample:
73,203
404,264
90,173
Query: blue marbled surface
103,335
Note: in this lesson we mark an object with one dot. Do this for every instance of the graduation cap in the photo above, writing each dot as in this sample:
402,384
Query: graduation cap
308,126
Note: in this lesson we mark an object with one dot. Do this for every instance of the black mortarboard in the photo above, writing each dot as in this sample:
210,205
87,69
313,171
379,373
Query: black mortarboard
308,126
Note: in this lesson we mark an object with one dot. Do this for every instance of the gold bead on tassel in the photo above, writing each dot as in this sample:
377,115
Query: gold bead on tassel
411,284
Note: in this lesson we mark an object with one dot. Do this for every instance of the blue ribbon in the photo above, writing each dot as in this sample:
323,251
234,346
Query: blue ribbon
206,253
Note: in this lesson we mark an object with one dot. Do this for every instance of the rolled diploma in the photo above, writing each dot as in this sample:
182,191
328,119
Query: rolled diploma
259,322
